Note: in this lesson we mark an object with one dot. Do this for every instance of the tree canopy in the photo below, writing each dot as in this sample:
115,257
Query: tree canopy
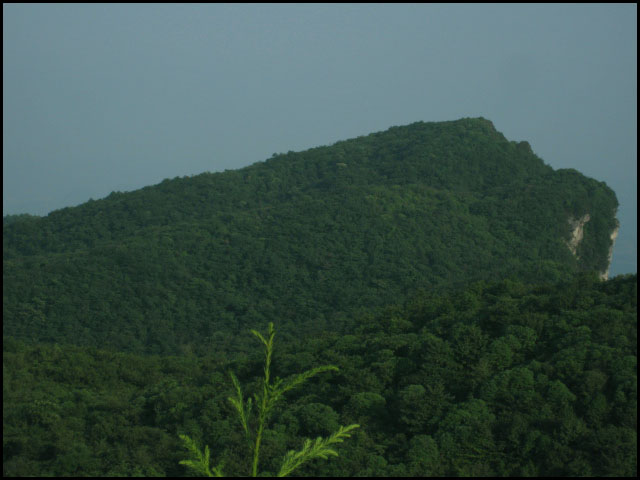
303,240
501,378
429,267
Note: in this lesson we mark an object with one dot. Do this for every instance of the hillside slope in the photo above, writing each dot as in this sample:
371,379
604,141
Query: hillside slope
303,239
496,379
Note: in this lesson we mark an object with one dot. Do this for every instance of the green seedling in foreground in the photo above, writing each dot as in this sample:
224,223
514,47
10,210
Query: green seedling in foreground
265,401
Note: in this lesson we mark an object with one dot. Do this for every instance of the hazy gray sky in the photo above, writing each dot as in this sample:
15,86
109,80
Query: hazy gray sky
99,98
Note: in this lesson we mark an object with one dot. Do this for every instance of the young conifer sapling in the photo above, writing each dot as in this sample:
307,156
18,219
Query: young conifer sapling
264,401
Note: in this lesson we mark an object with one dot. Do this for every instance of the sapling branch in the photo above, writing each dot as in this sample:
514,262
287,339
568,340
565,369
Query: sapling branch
265,400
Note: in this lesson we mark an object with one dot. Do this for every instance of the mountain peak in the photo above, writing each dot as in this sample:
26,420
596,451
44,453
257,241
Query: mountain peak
304,237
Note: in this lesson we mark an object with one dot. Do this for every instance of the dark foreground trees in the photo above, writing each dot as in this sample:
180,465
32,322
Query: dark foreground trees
500,379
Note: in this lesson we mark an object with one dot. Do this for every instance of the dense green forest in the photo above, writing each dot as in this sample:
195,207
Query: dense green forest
428,268
303,240
496,379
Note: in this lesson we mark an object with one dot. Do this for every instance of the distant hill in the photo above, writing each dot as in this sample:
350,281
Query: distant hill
304,239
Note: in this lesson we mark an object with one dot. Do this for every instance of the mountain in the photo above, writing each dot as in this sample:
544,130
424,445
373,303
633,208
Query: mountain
304,239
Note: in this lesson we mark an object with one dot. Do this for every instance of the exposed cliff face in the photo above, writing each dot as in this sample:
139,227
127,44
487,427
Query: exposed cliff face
577,234
605,275
577,231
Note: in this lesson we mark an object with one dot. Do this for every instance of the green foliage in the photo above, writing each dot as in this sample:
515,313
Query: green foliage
553,393
201,463
265,401
9,219
319,235
430,265
319,448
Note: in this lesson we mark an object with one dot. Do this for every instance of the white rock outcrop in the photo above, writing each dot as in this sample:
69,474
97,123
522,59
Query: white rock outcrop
605,275
577,231
577,234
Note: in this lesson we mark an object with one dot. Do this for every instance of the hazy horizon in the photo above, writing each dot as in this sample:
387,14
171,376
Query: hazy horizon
114,97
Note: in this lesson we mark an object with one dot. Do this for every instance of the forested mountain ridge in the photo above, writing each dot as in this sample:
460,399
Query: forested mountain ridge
449,274
302,239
